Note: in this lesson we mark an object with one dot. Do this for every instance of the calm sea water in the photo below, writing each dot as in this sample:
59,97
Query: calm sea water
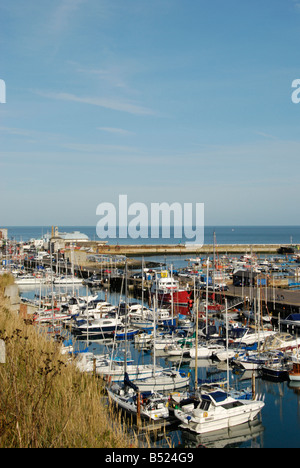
224,234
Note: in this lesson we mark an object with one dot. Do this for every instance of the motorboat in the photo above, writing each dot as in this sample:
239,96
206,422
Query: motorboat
217,410
276,370
50,316
93,281
251,336
282,342
143,338
162,317
24,280
114,370
168,290
291,320
69,280
176,349
206,350
294,374
141,323
124,334
164,339
224,354
257,360
96,328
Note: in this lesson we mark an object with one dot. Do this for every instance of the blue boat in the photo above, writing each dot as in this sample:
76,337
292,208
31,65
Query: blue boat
291,320
276,370
131,332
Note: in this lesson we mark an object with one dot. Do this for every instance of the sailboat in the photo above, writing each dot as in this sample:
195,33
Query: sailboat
129,398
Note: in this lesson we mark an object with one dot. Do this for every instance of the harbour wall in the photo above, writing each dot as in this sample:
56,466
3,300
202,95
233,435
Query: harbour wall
182,249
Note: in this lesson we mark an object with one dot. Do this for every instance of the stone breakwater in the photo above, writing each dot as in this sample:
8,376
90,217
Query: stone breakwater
182,249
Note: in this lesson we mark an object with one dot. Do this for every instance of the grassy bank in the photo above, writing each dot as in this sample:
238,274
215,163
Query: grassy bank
44,401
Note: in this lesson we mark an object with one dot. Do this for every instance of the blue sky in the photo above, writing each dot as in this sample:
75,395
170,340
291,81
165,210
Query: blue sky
162,100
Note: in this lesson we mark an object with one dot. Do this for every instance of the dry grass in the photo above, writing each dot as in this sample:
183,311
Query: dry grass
44,401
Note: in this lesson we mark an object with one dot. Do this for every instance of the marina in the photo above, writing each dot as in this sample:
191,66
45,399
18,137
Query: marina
246,334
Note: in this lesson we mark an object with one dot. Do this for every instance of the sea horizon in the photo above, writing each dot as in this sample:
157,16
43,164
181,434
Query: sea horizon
224,234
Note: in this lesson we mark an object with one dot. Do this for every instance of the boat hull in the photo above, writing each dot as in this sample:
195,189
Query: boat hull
134,372
161,383
234,418
273,374
181,297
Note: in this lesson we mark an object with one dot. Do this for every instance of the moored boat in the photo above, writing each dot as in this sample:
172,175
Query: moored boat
151,407
217,410
168,290
294,374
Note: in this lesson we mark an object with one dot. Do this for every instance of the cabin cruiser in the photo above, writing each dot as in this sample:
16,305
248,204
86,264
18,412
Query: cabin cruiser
96,328
168,290
217,410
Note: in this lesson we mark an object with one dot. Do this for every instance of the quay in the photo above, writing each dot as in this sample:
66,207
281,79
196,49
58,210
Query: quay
277,302
187,249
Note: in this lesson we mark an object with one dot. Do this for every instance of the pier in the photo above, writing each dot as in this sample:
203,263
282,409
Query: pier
187,249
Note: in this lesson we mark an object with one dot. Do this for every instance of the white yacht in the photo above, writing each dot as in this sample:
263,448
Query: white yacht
217,410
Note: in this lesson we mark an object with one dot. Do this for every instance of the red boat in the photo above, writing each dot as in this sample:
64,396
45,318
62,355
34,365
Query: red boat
167,290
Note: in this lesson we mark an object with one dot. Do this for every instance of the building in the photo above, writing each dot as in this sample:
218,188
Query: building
3,234
59,240
244,277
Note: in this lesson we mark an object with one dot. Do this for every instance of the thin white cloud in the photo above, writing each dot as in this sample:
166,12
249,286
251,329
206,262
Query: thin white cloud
297,5
97,148
112,76
16,131
117,131
108,103
267,135
62,13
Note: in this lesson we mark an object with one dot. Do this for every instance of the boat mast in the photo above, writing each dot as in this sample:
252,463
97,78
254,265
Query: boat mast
207,273
196,348
172,297
126,317
142,283
227,357
214,267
